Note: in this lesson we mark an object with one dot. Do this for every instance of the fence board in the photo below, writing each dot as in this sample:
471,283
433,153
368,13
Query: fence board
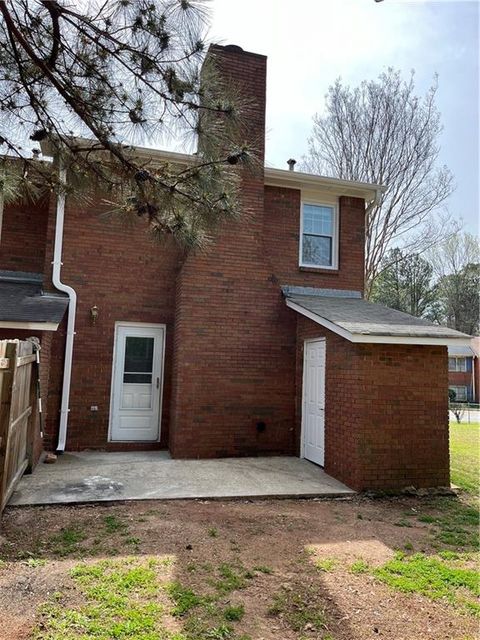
21,360
17,402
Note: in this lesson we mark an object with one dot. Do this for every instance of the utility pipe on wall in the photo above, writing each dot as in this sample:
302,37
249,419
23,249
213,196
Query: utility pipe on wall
72,307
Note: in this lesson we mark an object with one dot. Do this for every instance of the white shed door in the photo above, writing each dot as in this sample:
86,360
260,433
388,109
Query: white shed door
137,382
313,418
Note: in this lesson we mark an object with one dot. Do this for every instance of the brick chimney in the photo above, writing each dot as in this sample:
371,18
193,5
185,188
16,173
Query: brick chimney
228,347
247,73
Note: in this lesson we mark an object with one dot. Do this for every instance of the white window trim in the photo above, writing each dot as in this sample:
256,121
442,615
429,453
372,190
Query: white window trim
335,237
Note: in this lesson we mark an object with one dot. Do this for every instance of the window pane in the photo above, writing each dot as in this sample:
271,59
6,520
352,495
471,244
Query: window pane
317,220
451,364
317,250
461,364
138,378
461,394
138,354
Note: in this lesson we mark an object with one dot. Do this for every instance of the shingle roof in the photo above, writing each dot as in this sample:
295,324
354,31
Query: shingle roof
358,319
22,299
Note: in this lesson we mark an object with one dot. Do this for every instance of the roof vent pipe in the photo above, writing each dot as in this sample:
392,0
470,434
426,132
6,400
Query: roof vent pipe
291,164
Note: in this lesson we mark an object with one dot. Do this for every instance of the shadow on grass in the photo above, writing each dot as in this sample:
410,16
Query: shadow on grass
154,570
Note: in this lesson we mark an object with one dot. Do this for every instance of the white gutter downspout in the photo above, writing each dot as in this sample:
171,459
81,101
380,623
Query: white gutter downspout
72,307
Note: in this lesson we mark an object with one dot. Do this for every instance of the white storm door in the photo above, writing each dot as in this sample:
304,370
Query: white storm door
313,418
137,383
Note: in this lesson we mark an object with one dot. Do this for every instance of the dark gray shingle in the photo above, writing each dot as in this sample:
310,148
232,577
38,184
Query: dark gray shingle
22,299
360,317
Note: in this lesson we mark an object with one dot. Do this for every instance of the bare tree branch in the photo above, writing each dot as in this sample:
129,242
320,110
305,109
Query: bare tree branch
381,132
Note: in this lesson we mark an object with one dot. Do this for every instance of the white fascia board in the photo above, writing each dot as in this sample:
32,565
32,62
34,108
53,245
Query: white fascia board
360,338
36,326
426,340
141,153
273,177
311,182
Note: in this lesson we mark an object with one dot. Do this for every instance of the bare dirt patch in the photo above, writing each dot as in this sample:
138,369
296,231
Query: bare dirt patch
273,569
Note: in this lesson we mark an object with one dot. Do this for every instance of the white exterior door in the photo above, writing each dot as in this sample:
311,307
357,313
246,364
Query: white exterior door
313,417
137,382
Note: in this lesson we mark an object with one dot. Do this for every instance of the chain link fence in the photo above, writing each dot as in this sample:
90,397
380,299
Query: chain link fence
464,412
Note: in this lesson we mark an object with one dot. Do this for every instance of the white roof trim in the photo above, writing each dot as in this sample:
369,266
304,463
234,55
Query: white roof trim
142,153
319,320
272,177
310,182
369,339
37,326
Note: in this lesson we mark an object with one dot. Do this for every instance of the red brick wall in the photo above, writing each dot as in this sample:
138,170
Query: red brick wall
234,352
281,231
230,340
386,412
461,379
22,243
234,338
218,383
55,381
130,278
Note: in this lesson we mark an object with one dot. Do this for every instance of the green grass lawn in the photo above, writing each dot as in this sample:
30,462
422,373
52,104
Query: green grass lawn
465,455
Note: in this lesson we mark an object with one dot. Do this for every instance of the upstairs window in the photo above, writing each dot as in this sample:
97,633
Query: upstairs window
457,364
318,236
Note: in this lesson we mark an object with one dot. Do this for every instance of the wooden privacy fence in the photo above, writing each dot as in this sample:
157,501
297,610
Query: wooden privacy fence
17,412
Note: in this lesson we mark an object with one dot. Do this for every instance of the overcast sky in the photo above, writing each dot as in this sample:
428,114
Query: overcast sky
309,43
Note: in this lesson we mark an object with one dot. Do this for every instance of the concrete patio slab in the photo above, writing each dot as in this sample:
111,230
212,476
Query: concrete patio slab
99,476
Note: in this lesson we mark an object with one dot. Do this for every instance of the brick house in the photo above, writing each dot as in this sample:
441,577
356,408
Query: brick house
464,371
261,345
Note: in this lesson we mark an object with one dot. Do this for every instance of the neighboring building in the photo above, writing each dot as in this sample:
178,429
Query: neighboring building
261,345
463,371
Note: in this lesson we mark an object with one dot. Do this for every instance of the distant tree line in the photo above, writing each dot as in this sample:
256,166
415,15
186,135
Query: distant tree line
443,285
